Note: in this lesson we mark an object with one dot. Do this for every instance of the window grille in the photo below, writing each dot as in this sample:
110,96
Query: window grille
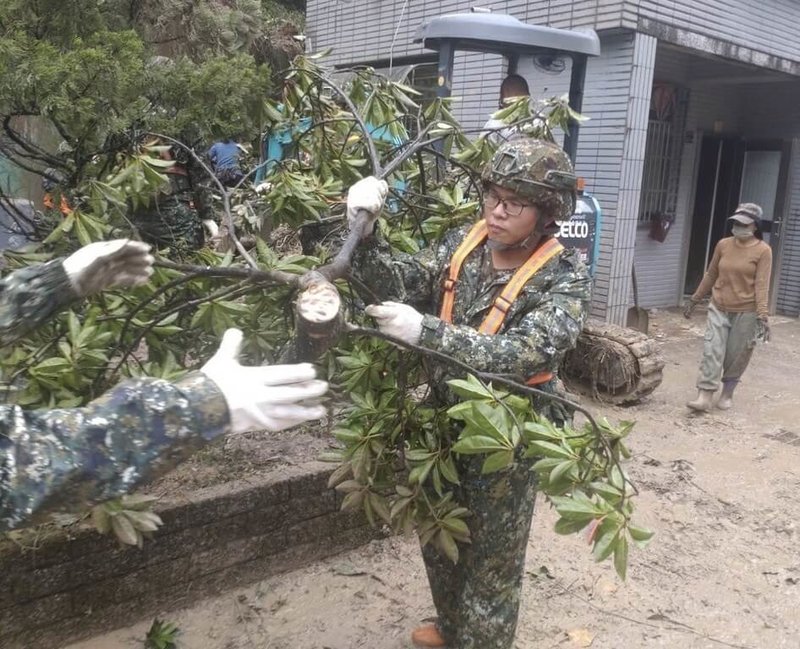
662,158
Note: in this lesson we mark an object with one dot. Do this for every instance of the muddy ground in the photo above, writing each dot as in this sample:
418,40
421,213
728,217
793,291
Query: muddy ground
722,492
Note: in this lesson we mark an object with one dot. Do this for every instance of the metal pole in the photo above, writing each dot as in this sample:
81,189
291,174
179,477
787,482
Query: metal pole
513,63
713,205
444,80
576,84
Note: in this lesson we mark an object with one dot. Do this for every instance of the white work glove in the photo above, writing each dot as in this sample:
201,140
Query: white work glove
211,227
266,397
100,265
367,194
398,320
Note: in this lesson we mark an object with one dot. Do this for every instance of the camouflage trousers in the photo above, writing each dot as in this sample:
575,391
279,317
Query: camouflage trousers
477,599
727,346
173,225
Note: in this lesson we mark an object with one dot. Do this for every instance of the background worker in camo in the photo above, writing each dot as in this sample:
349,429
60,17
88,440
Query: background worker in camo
738,316
528,185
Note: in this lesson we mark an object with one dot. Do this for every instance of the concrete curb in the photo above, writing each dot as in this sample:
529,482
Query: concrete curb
63,584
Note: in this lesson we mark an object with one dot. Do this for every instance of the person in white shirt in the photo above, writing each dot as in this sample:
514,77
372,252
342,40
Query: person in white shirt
513,87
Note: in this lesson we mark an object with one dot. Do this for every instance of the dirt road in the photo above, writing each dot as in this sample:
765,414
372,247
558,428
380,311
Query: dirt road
721,491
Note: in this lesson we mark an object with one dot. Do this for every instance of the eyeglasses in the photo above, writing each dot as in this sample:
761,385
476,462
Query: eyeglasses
510,207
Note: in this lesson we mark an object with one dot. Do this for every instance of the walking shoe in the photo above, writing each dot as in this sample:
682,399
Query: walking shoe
427,635
703,401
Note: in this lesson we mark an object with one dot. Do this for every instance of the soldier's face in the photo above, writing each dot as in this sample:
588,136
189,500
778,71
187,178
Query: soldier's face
510,218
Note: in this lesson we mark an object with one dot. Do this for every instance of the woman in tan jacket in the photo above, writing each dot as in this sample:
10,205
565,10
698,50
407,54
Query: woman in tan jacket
738,278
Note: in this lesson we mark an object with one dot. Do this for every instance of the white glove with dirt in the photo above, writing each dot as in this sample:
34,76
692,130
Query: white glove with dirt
398,320
367,194
104,264
267,397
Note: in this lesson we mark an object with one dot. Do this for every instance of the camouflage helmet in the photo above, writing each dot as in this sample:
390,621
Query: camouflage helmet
52,178
537,170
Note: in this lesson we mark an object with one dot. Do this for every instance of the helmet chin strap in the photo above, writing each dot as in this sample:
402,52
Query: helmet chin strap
528,243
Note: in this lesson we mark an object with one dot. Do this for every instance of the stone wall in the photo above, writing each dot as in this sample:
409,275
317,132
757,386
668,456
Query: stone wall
62,584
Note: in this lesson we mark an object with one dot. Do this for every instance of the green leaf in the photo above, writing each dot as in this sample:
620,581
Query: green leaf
101,519
477,444
74,327
575,509
143,521
492,421
606,540
566,526
418,455
419,473
349,486
380,506
456,525
460,411
353,500
124,530
470,389
447,545
545,465
606,490
498,461
562,470
548,449
339,474
621,557
617,478
448,469
640,535
348,436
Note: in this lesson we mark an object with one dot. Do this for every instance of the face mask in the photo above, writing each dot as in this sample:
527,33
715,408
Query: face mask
741,232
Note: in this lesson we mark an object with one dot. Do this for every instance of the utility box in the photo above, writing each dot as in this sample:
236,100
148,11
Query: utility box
582,231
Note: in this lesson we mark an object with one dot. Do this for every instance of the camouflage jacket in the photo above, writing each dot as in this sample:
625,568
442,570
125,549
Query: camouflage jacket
541,325
174,217
65,458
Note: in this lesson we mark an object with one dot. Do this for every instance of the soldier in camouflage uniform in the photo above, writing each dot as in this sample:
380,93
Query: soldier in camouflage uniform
528,185
174,218
51,459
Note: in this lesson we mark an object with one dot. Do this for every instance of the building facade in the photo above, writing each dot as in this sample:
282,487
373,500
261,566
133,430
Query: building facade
694,106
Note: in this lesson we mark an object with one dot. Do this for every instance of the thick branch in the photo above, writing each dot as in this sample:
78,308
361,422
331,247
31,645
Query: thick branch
256,275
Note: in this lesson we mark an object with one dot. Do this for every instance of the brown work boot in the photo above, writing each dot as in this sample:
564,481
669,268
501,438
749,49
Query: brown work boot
427,635
703,401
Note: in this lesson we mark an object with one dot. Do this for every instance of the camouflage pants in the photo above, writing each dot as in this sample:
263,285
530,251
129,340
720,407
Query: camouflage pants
170,225
477,599
728,345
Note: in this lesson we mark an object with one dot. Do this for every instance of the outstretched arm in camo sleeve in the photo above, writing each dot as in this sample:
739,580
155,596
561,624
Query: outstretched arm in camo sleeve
56,459
31,296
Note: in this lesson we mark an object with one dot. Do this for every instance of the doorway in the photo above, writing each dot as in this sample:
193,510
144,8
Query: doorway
732,171
719,178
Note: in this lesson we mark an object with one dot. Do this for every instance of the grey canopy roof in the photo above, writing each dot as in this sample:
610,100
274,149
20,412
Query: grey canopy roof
501,33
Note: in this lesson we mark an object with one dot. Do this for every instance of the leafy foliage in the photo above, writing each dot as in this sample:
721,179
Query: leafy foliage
161,635
128,517
396,452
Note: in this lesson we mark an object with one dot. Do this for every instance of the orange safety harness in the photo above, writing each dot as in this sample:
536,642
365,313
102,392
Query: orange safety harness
502,303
